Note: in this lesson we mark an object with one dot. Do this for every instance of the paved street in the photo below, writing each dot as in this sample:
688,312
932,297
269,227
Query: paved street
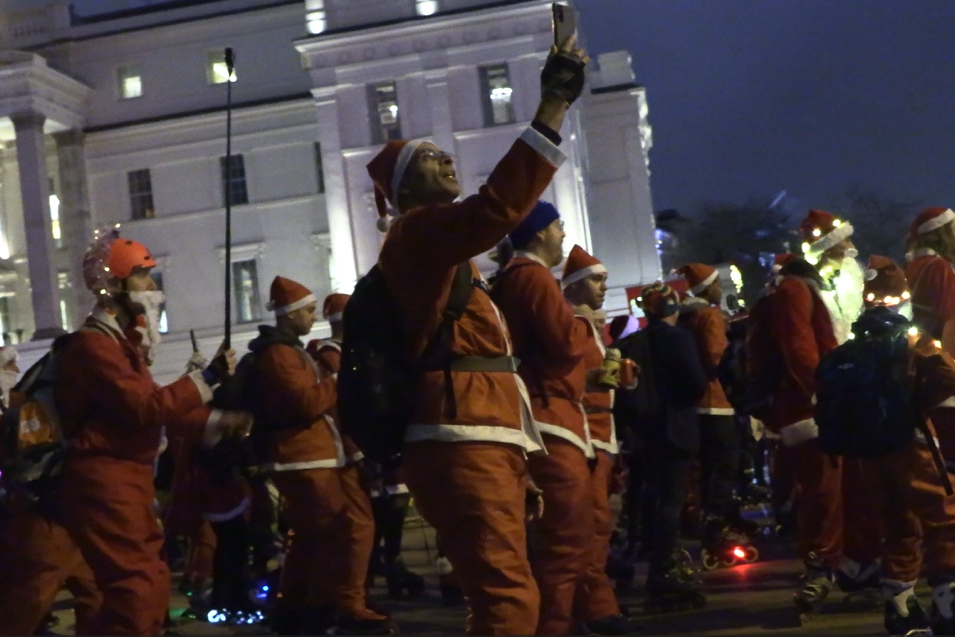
752,599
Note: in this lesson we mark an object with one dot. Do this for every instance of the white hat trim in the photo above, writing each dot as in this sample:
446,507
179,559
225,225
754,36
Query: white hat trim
838,234
705,283
291,307
337,316
583,273
934,224
401,165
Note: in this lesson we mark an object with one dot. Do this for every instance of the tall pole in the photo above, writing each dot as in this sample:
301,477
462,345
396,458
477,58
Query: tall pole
230,65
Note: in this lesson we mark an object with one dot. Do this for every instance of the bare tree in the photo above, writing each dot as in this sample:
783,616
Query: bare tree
880,223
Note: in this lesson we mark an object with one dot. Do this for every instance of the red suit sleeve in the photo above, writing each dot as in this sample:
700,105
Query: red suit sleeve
290,391
535,293
123,393
937,373
329,359
445,235
792,318
935,288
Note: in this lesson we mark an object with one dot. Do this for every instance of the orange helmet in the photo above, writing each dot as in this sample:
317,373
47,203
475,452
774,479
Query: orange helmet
111,256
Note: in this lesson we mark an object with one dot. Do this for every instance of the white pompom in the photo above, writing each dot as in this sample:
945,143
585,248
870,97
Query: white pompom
384,223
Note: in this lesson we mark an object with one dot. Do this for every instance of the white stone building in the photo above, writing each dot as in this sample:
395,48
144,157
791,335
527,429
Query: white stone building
121,118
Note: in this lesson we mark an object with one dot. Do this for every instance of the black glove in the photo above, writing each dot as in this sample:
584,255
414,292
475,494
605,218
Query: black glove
563,76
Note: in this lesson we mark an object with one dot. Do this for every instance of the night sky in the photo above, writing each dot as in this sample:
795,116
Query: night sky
752,97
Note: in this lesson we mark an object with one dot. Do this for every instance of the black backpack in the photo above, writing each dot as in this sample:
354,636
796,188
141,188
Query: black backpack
378,379
865,390
632,406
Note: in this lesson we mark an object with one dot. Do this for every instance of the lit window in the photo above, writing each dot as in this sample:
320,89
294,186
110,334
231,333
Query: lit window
217,72
6,326
383,110
130,82
63,280
235,181
245,283
426,7
315,16
55,217
141,194
496,86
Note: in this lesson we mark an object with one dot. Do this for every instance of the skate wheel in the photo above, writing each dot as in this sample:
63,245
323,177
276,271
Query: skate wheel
698,602
728,563
709,560
752,554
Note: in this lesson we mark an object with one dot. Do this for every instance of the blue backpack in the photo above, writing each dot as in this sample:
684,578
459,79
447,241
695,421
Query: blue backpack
865,390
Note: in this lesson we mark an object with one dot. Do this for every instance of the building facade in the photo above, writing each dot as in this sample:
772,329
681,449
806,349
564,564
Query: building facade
121,118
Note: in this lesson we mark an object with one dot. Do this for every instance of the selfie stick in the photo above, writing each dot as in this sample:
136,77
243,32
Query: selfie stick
230,65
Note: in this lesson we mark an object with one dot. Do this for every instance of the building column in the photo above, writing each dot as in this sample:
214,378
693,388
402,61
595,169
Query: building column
35,194
75,218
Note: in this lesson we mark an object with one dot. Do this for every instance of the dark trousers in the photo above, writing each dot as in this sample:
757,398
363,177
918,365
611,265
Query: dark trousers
639,506
389,512
719,464
229,588
668,470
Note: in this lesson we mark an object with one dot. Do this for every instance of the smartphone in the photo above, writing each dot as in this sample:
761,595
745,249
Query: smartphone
565,22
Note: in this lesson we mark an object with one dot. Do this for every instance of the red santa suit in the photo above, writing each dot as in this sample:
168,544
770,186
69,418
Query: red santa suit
326,505
113,413
466,467
551,345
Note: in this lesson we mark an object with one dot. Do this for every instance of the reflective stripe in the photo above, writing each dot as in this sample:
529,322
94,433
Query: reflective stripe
301,466
228,515
566,434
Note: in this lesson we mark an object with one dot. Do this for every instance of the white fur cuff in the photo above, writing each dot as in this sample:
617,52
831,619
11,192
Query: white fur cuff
799,432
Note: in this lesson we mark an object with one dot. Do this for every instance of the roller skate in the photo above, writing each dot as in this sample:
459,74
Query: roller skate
451,593
860,583
904,614
672,589
402,582
725,547
809,601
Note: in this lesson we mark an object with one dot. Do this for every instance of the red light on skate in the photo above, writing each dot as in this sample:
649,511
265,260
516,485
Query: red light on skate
738,552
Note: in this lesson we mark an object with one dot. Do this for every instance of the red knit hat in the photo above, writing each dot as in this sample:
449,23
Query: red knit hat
699,276
287,296
579,266
334,306
930,219
387,170
885,282
659,299
821,230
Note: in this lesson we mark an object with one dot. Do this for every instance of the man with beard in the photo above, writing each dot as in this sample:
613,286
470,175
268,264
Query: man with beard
113,413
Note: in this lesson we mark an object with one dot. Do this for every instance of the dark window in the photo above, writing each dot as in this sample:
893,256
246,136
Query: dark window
497,93
319,170
141,194
235,180
383,110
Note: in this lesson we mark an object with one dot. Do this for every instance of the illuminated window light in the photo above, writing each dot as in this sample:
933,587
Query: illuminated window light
427,7
55,219
315,22
221,73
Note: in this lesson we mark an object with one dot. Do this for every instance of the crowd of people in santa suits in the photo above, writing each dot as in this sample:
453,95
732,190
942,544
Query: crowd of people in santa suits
513,462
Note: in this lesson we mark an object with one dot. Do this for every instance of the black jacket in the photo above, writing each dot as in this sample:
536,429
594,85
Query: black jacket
681,382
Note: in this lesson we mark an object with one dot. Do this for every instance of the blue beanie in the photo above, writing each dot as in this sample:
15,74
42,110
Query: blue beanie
542,215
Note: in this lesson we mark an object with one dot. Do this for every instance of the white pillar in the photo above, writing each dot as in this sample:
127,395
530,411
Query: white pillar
345,263
75,218
35,193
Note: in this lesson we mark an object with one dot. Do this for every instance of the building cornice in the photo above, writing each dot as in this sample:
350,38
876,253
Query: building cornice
28,84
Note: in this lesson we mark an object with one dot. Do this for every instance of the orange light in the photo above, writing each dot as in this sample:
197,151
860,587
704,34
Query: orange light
738,552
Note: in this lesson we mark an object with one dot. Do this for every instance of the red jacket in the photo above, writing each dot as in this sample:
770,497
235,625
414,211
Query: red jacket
110,405
418,260
329,359
550,342
931,280
801,332
708,327
598,405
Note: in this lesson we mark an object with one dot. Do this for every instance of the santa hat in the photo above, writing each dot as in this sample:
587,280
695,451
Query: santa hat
387,170
821,230
579,266
541,215
698,275
334,306
8,355
780,260
286,296
885,282
659,299
930,219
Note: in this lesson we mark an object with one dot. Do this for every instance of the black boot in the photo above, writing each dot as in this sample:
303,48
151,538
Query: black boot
401,580
317,621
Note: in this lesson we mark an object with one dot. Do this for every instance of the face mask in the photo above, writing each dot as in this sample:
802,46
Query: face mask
152,302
